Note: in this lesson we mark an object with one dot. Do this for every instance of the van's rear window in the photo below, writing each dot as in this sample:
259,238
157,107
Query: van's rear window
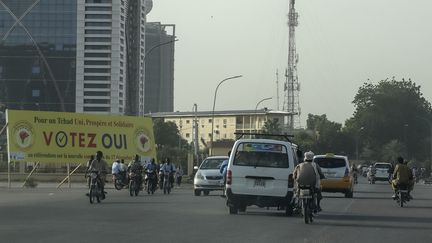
330,162
261,155
382,166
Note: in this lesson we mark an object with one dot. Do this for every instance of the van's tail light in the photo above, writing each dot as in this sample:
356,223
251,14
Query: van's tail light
346,172
229,177
290,181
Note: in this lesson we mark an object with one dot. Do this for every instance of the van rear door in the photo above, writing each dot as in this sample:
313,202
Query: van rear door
261,168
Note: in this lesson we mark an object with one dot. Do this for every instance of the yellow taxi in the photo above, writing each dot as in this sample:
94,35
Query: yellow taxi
337,172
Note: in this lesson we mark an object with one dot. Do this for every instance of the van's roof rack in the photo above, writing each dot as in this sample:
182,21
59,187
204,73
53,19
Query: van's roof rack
286,136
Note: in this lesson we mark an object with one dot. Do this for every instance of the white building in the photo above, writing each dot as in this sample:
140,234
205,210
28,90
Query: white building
102,55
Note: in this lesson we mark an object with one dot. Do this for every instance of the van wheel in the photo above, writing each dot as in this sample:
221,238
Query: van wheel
197,193
349,194
242,208
206,193
233,210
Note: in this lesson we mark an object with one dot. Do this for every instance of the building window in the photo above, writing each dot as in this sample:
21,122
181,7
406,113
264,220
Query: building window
224,121
90,109
210,120
187,121
187,135
209,135
35,93
35,70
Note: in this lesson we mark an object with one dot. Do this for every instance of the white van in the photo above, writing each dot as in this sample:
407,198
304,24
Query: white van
260,172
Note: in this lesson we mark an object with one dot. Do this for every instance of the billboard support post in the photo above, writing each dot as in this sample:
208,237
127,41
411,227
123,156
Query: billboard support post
31,173
68,177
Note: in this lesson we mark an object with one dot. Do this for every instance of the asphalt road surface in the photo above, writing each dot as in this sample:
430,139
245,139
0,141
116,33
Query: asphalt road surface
51,215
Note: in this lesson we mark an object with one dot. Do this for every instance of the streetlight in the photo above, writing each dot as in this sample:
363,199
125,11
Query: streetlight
430,127
158,45
214,103
256,107
357,143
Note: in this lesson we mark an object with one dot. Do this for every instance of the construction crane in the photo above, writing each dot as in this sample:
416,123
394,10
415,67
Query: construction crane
292,87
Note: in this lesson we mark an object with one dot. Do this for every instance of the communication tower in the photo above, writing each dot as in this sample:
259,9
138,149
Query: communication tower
292,86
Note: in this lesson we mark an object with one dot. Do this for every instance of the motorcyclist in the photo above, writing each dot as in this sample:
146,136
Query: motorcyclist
308,173
136,167
402,176
101,166
168,168
371,172
354,172
151,167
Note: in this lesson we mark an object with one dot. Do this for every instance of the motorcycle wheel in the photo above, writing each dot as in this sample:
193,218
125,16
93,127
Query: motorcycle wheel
118,185
401,199
98,198
131,188
91,195
306,210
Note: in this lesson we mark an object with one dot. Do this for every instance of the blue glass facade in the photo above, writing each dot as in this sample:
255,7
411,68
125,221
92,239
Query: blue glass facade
38,54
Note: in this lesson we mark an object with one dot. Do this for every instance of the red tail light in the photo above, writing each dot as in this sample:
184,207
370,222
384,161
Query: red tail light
290,181
229,177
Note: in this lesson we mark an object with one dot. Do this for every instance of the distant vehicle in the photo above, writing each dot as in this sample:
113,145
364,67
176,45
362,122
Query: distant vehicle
382,171
338,174
208,177
260,172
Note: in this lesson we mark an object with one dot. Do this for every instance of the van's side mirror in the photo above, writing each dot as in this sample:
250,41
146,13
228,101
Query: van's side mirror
195,167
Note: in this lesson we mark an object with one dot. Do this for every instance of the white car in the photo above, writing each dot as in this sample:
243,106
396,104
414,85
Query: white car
382,171
208,177
260,172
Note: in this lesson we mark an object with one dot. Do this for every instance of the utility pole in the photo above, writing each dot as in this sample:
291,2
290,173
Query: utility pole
195,133
277,90
292,87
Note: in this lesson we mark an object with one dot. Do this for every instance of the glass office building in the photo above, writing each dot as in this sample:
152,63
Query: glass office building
38,54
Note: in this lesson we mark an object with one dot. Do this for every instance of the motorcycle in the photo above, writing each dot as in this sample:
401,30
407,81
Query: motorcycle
134,184
371,177
306,200
161,180
402,195
168,182
96,190
120,181
355,178
151,179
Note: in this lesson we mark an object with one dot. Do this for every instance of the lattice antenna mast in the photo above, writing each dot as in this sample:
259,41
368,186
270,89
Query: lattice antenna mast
292,87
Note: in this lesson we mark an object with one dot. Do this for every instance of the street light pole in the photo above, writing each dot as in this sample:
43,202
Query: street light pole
214,103
158,45
256,108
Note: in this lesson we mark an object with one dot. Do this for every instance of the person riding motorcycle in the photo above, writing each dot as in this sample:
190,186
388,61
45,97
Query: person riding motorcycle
402,176
308,173
118,170
101,166
136,168
371,173
168,168
354,172
151,167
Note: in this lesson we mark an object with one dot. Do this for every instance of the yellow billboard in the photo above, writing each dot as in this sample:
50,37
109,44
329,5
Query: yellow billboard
60,137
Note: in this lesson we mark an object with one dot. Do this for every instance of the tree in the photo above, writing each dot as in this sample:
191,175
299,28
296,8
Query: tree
389,111
271,127
169,142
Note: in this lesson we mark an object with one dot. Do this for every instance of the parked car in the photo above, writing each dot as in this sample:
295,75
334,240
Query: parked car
382,171
208,177
337,172
260,172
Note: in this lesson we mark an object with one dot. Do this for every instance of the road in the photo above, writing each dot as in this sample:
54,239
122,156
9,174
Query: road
51,215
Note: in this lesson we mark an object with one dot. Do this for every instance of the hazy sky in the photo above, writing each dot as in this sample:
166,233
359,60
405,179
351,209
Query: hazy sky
341,44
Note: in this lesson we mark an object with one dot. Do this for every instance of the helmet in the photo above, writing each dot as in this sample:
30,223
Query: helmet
309,156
